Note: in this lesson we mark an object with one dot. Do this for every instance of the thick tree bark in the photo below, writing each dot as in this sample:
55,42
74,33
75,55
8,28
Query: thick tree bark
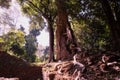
114,27
65,39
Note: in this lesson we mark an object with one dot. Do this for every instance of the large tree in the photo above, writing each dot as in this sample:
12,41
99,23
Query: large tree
65,40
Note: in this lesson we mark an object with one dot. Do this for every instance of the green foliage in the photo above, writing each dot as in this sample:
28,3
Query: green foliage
13,36
30,47
1,43
93,36
34,29
89,24
20,45
73,7
1,40
45,55
17,49
38,9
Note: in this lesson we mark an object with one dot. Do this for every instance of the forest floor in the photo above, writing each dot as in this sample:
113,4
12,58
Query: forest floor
101,66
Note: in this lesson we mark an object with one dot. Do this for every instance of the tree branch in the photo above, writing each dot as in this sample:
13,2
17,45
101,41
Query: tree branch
37,9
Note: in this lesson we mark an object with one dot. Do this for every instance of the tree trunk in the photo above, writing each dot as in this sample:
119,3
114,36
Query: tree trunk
65,39
114,27
51,41
117,13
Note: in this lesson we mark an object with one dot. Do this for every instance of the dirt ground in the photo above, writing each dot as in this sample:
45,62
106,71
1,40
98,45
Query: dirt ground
102,66
10,67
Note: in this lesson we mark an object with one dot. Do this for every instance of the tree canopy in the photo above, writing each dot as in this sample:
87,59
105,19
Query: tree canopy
86,24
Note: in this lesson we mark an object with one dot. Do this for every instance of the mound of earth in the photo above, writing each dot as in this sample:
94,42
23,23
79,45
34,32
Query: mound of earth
11,66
